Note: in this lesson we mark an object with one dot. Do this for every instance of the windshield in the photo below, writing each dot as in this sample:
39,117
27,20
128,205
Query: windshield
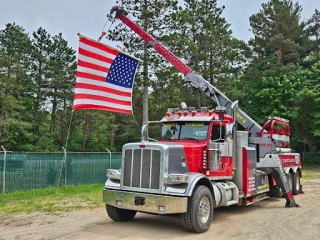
185,130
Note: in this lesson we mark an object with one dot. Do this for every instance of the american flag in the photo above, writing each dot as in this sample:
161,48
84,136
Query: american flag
104,79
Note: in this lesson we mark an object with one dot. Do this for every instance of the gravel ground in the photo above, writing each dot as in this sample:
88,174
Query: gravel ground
267,219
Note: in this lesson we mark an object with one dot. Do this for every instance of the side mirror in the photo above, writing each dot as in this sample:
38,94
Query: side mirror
229,131
144,133
234,107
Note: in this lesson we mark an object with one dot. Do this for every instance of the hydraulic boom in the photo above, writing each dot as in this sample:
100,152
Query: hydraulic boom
190,75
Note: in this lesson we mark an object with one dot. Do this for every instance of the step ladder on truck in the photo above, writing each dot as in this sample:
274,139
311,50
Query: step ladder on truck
201,161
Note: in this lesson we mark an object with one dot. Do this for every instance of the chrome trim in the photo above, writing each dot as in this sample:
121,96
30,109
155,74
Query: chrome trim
150,169
220,177
132,150
163,154
152,202
141,161
114,174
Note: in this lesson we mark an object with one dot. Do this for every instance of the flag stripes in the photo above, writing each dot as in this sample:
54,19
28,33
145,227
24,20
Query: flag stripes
94,88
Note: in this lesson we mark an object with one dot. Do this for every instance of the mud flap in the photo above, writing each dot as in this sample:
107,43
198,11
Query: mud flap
282,181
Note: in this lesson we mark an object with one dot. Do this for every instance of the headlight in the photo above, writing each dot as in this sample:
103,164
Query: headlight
114,174
177,178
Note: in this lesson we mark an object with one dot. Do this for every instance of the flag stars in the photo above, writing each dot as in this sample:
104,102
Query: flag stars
122,71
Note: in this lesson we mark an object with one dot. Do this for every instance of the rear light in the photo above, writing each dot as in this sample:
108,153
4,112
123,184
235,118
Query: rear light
142,146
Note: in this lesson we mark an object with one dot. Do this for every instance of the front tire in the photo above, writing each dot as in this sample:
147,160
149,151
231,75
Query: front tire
200,210
295,183
120,215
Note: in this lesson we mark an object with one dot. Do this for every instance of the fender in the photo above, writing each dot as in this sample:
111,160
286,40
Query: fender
187,189
198,179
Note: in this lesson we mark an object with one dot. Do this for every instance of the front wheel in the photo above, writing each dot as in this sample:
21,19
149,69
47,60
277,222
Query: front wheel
200,210
120,215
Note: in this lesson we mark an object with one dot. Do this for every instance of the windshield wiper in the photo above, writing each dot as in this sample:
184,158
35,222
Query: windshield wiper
189,138
171,139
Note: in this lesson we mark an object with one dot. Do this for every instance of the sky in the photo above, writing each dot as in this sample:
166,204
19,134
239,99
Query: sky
89,16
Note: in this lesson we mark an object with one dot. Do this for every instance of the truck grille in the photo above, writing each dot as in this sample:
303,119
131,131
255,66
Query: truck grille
141,168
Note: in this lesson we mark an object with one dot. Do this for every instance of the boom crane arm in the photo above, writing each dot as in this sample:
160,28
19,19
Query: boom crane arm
190,75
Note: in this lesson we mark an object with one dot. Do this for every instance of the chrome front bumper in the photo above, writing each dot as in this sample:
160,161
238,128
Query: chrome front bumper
144,202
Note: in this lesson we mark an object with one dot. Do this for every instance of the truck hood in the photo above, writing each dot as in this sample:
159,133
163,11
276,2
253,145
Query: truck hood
179,156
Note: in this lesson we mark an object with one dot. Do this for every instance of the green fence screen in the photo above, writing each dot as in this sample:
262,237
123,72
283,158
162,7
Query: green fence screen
24,171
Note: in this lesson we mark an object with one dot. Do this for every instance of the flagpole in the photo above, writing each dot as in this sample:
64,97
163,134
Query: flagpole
65,153
68,134
91,39
139,127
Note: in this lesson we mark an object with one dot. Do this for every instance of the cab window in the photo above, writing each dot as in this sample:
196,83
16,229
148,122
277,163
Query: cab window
185,130
218,133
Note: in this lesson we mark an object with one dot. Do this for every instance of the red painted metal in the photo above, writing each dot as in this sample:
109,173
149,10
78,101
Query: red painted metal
245,172
174,60
269,127
290,160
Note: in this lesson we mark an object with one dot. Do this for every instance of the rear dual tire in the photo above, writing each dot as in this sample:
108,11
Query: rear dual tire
295,183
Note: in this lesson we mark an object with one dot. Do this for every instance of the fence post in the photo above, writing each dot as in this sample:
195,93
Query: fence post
109,158
65,165
4,170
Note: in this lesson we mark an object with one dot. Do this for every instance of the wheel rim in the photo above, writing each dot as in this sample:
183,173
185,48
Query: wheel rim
204,209
297,182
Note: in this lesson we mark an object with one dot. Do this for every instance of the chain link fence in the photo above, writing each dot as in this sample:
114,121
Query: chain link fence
23,171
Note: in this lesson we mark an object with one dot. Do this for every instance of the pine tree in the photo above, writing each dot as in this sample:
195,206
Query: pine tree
205,41
41,52
154,16
279,45
16,88
313,29
62,67
279,38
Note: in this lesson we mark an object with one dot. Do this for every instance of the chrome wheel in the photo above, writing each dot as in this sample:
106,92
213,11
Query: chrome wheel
204,209
200,210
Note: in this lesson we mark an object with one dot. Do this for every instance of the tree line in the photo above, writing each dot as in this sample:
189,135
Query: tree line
277,73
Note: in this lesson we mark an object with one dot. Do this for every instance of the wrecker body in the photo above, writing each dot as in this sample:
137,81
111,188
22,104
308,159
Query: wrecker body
201,160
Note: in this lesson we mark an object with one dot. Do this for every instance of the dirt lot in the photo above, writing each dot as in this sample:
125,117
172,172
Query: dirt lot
265,220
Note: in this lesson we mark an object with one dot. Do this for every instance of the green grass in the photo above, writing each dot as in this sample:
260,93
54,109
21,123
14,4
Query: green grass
75,197
310,172
52,199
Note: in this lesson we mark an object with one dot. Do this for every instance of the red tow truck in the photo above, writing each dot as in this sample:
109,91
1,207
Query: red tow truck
201,161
